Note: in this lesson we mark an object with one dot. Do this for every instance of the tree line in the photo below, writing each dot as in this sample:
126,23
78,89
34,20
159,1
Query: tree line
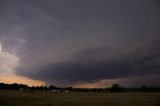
113,88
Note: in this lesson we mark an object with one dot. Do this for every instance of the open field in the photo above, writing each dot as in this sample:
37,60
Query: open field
19,98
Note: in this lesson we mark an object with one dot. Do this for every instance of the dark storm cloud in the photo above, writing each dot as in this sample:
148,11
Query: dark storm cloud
81,39
91,66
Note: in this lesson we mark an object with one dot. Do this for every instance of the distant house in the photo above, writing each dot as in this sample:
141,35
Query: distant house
57,90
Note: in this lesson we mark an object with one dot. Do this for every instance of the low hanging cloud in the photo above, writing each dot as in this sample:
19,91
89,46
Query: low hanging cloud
101,63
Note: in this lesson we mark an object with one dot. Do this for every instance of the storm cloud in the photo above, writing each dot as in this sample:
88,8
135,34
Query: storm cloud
95,64
82,40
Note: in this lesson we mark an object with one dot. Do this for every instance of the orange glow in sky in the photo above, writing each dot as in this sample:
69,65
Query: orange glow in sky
20,80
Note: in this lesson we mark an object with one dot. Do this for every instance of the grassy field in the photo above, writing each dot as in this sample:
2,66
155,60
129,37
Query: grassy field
19,98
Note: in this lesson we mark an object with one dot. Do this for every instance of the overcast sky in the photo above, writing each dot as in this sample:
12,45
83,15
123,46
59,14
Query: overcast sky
82,43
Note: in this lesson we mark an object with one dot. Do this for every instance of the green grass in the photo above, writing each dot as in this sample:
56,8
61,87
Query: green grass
19,98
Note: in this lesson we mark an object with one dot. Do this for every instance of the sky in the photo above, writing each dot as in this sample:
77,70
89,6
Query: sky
80,43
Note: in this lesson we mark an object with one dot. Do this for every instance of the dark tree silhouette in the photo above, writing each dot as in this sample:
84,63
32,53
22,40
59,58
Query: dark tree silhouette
116,88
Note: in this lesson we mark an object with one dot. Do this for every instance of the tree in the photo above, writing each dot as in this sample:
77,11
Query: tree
116,88
51,87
